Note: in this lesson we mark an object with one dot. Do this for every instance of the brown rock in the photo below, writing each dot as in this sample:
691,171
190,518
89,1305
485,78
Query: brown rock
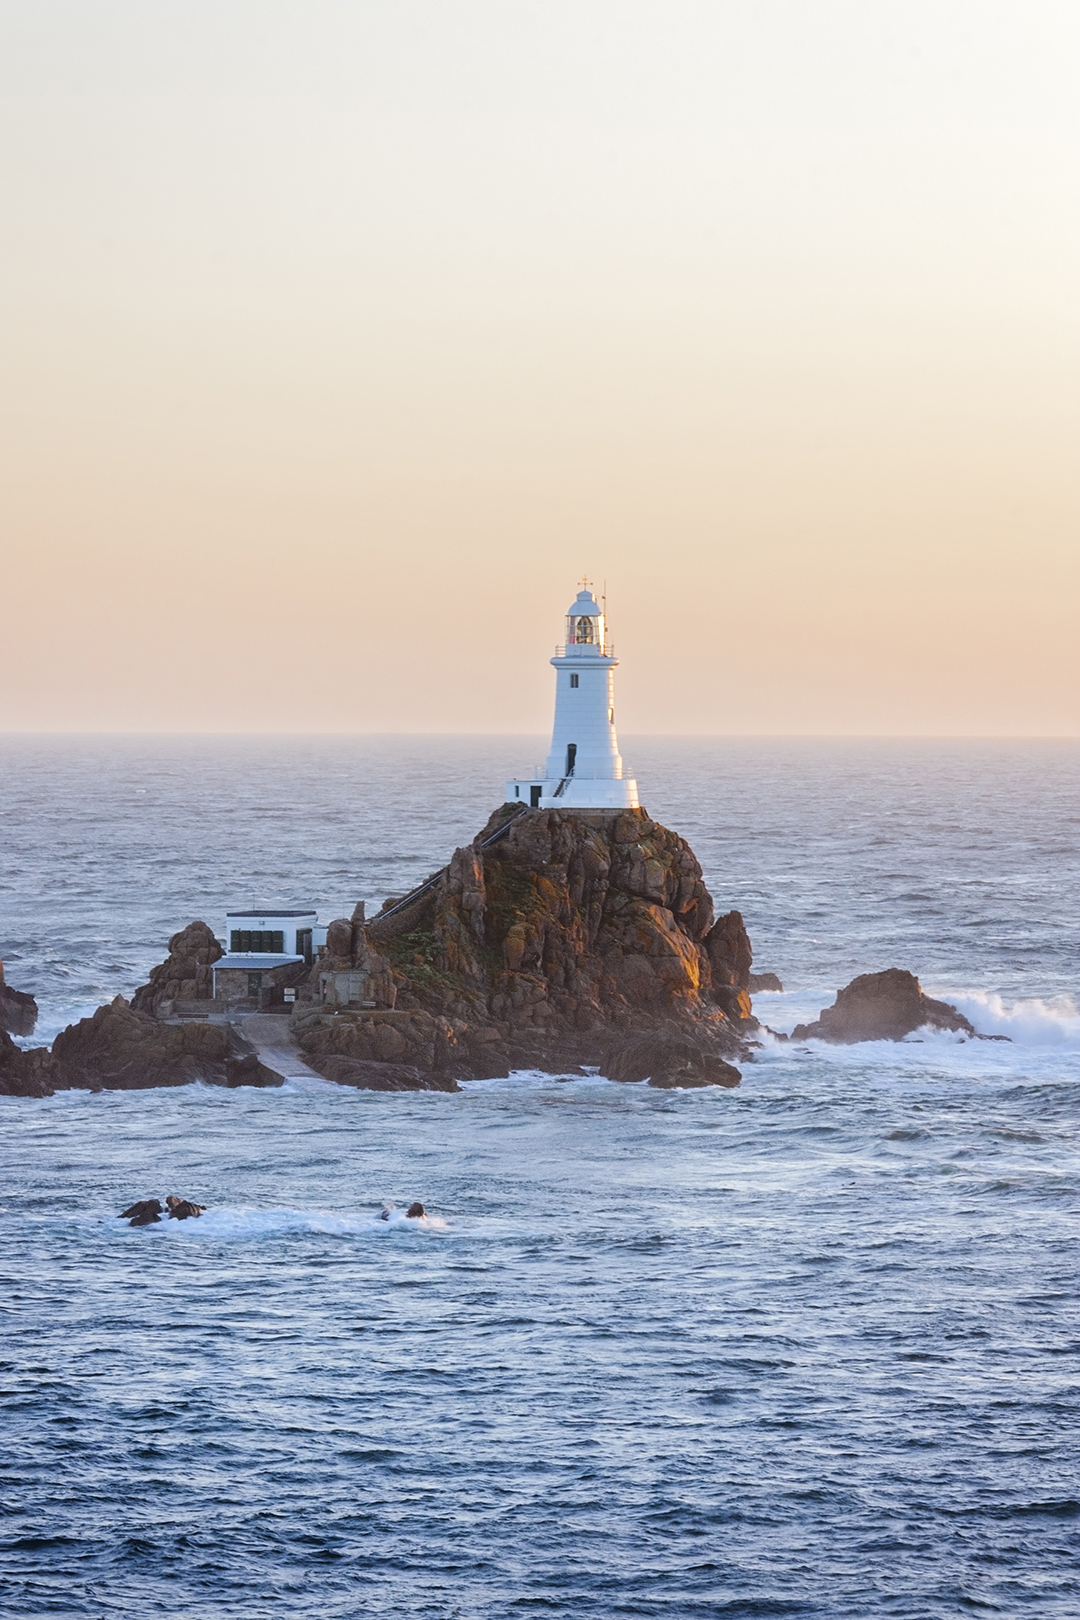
18,1009
182,1209
764,982
367,1075
185,975
881,1007
25,1074
670,1059
338,948
730,955
530,950
119,1049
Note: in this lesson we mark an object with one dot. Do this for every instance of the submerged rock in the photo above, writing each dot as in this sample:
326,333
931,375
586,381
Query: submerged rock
18,1009
881,1007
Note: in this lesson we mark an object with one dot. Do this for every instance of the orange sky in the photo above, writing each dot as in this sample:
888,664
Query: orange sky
339,339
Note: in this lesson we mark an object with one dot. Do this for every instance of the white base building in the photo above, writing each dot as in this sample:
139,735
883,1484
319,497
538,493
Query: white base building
584,769
261,944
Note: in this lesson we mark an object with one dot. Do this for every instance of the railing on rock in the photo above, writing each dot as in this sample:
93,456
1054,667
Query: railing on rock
429,883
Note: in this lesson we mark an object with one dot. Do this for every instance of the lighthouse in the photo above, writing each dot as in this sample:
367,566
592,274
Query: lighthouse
584,769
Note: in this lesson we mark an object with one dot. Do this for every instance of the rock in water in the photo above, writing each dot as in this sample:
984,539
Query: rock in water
415,1212
369,1076
145,1213
671,1059
881,1007
764,982
182,1209
25,1074
551,947
119,1049
18,1009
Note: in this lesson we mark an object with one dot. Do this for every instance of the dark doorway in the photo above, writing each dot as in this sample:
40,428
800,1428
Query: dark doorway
571,755
254,984
534,797
303,943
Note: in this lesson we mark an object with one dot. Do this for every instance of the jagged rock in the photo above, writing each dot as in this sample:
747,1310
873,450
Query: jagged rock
245,1069
119,1049
146,1212
532,951
18,1009
182,1209
881,1007
669,1058
337,951
728,947
368,1075
764,981
185,975
25,1074
349,970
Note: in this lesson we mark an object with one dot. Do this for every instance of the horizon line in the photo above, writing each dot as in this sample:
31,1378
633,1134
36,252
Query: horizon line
673,736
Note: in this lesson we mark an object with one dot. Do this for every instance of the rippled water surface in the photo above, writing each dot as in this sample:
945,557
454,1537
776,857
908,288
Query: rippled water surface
805,1348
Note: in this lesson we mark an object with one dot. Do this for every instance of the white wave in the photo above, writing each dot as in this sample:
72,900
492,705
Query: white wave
1028,1023
234,1222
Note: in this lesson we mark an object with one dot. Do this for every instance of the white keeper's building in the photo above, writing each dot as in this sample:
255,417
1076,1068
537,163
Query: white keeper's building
584,769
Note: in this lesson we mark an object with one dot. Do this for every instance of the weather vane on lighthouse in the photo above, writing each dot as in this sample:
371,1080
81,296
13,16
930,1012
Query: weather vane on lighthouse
584,769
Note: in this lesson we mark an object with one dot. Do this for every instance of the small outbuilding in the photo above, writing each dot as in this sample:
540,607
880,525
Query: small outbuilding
269,949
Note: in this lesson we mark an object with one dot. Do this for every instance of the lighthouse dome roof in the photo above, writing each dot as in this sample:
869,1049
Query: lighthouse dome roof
584,605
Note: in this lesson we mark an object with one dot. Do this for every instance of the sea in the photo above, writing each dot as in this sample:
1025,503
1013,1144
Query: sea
805,1348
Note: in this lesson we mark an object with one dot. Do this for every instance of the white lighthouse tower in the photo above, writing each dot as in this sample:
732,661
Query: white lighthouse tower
584,769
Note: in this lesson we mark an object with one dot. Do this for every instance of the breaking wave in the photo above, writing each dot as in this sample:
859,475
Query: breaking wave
1033,1022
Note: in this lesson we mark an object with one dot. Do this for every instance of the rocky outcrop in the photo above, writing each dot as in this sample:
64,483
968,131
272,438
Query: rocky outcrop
349,963
185,974
18,1009
120,1049
881,1007
25,1074
148,1211
368,1075
669,1058
760,982
556,941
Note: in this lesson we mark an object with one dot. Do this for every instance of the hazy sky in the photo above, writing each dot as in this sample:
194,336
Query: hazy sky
339,338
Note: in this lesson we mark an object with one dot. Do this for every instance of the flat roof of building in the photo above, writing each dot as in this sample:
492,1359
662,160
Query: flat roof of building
255,959
271,911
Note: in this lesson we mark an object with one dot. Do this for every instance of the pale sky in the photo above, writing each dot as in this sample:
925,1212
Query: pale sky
339,339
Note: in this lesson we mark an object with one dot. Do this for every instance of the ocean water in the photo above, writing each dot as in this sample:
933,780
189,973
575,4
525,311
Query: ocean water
805,1348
